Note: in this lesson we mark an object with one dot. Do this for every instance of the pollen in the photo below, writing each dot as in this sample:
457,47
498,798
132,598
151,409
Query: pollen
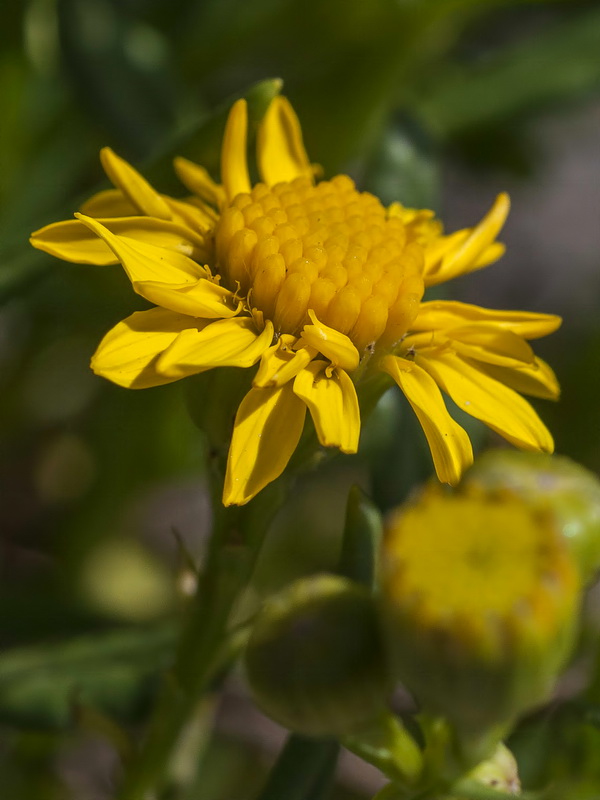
327,248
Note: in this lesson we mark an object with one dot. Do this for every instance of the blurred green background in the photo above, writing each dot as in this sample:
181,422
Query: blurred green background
436,103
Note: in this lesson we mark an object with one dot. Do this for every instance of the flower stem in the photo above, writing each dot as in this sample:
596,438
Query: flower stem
304,770
233,548
389,746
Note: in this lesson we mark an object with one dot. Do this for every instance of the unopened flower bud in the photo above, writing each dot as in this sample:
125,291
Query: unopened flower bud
499,772
479,598
568,490
314,659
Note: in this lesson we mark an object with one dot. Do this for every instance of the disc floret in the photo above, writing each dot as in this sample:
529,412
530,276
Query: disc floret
327,248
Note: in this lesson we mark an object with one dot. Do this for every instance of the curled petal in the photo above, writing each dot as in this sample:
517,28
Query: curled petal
129,352
280,363
491,254
200,299
267,429
537,379
491,344
450,314
136,188
333,405
500,408
468,252
335,346
72,240
198,181
449,444
280,149
234,165
147,262
225,343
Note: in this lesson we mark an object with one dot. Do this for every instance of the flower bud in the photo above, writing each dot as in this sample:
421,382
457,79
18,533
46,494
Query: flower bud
569,491
499,772
479,600
314,659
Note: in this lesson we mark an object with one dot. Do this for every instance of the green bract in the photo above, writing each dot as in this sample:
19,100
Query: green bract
314,660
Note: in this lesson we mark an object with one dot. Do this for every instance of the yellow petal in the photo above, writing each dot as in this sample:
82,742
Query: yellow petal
192,214
466,256
492,253
136,188
280,149
484,398
146,262
333,405
71,240
234,165
537,380
449,444
225,343
267,429
108,203
437,248
200,299
489,343
438,314
335,346
113,203
128,353
198,181
280,363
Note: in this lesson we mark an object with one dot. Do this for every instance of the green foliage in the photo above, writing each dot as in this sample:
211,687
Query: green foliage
43,687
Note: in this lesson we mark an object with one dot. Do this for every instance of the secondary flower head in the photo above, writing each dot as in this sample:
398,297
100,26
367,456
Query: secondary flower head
480,598
317,283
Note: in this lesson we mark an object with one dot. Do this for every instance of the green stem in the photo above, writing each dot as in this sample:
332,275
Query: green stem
390,747
233,547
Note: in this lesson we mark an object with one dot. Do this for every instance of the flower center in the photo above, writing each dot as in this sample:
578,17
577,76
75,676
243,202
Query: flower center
327,248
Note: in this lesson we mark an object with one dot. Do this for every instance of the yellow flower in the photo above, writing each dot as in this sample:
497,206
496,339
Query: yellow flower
319,285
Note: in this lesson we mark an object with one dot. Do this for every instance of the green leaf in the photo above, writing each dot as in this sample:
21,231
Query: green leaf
42,686
304,770
361,539
404,168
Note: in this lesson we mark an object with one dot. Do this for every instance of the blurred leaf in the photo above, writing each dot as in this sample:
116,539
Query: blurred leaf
558,748
119,67
360,540
41,686
399,457
303,771
404,167
556,66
